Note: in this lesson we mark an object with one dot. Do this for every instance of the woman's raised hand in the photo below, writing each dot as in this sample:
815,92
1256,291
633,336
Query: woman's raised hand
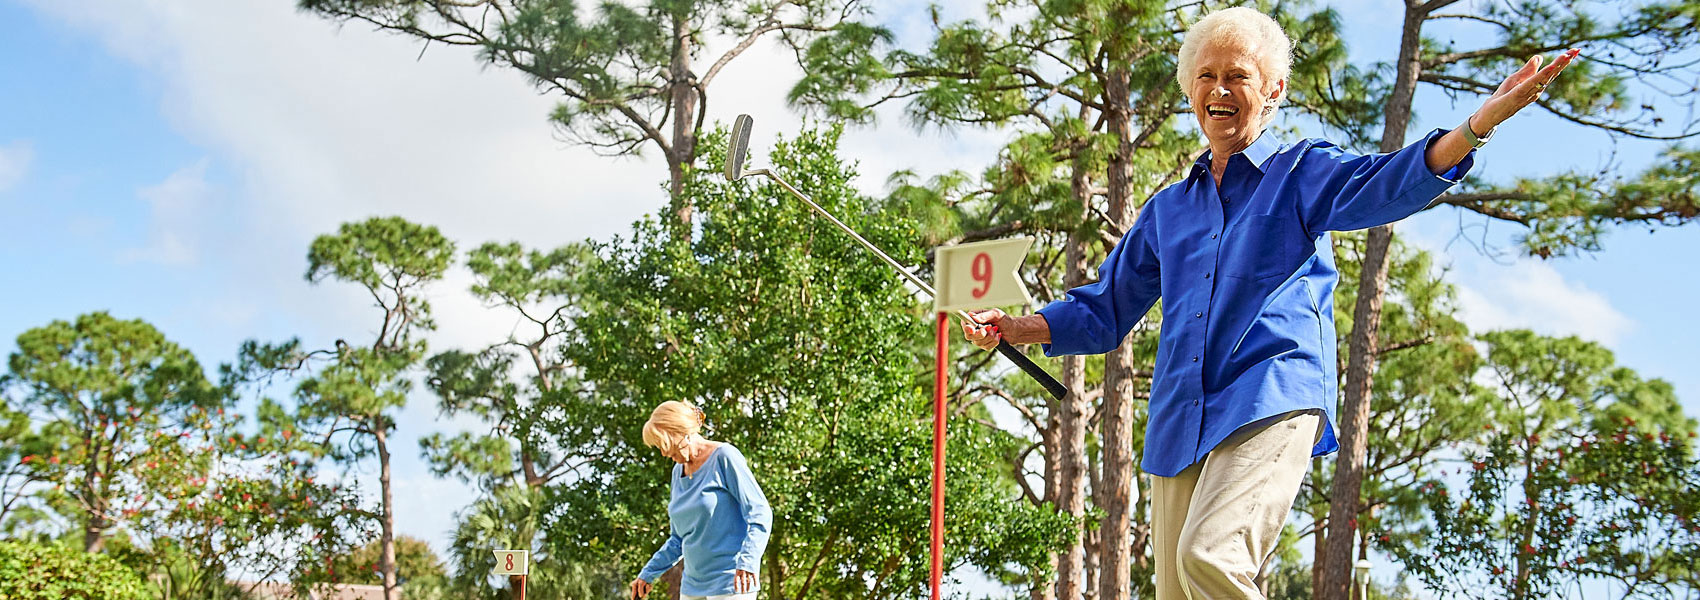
1519,90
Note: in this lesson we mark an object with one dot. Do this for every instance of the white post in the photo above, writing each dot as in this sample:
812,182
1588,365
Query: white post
1360,570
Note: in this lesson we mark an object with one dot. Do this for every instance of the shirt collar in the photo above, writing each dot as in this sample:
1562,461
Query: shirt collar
1259,152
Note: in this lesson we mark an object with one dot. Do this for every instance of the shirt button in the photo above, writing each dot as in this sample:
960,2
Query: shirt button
1206,274
1212,236
1194,359
1198,315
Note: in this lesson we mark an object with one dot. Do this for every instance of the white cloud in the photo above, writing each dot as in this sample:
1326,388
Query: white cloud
1530,294
173,209
333,123
426,507
308,124
1515,292
15,160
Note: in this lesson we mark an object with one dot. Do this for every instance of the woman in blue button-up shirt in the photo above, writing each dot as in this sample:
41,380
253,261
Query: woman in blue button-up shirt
718,519
1245,378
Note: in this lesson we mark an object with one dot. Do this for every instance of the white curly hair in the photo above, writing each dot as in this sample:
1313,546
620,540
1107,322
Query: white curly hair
1247,25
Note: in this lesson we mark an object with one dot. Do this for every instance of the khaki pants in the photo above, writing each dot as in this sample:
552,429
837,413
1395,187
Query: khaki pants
1216,523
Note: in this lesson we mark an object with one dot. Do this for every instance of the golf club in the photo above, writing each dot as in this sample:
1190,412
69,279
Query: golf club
736,153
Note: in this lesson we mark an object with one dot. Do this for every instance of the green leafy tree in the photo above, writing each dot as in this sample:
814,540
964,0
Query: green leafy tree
1289,578
417,566
52,572
513,516
512,387
259,515
1620,44
17,475
1587,475
542,289
628,75
746,319
115,401
346,395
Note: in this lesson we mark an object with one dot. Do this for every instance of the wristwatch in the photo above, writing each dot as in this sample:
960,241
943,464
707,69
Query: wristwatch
1470,134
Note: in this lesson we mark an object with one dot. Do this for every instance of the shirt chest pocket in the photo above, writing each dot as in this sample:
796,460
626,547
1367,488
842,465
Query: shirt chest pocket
1261,247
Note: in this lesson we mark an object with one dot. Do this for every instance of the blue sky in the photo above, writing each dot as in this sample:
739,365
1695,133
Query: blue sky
170,160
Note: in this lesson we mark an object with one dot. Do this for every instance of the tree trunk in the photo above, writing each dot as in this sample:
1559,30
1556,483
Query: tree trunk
1141,532
1050,437
684,110
1071,473
94,534
1116,427
1090,548
1344,501
386,560
1071,455
94,529
1319,549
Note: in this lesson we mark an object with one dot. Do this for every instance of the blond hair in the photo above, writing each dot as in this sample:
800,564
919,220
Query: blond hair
1245,25
671,426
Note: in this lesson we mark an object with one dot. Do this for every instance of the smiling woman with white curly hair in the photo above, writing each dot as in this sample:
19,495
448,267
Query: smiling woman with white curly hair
1245,382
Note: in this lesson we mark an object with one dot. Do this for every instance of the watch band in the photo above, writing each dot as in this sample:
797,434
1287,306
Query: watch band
1470,134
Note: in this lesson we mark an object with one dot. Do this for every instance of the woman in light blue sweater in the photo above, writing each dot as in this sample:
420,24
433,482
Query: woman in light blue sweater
719,519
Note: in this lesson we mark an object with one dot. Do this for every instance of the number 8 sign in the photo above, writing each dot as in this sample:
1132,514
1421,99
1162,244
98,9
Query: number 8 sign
512,562
980,275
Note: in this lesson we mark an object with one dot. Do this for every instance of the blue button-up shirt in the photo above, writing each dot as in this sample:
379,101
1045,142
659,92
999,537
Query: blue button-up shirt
1246,273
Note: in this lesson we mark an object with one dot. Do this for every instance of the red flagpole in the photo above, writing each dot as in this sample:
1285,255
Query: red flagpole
938,455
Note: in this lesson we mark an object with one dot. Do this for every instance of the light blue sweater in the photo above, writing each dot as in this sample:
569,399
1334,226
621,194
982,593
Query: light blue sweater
719,525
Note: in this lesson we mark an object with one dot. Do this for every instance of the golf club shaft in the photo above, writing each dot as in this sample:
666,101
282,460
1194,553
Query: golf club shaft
846,228
1051,385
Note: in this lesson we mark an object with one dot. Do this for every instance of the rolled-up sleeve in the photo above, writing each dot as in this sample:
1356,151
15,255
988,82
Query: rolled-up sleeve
1341,191
1094,318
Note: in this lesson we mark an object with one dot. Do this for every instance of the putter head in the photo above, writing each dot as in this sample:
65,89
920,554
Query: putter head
739,147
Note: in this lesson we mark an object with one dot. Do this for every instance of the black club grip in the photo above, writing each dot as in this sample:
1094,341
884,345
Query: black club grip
1033,370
